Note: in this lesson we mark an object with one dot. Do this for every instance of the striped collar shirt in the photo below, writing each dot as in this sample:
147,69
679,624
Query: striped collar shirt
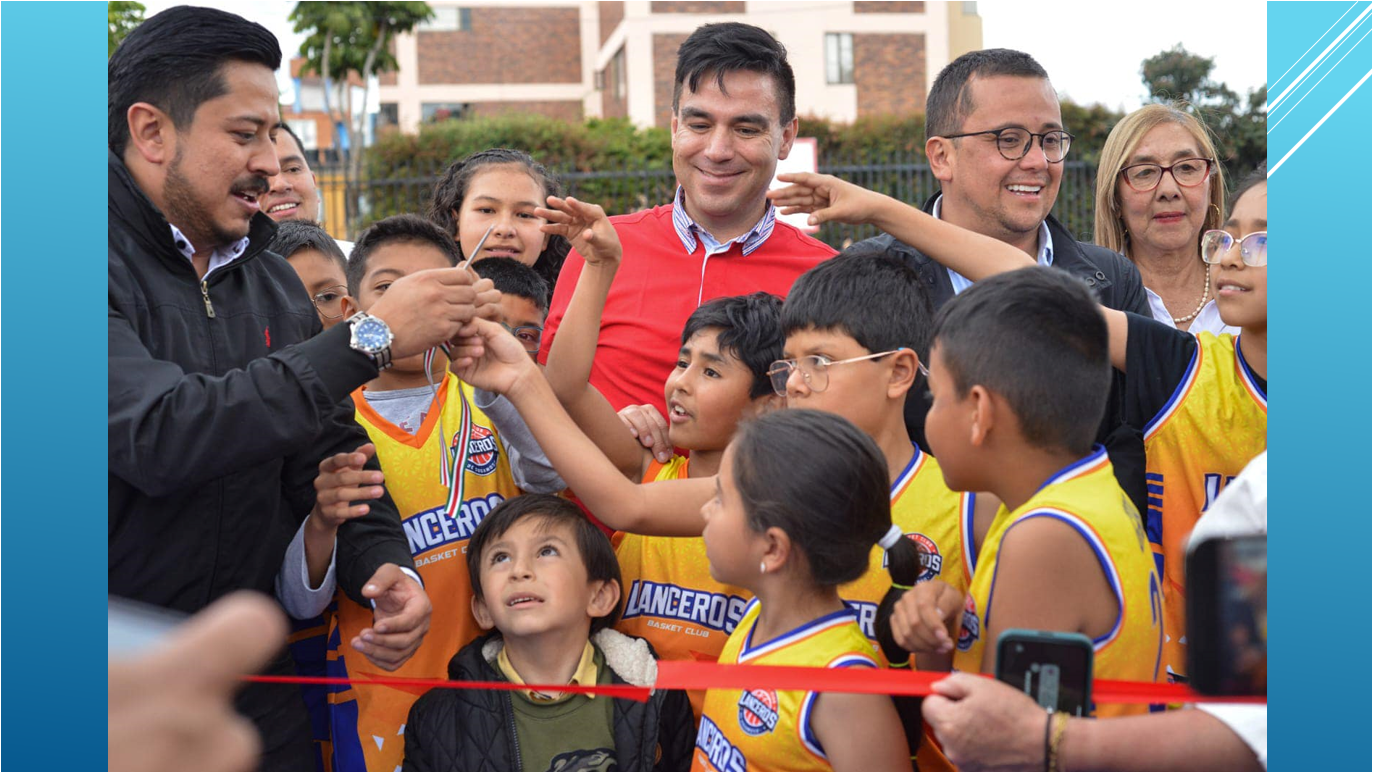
689,231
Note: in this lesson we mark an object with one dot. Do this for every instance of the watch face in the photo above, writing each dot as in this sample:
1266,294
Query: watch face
372,335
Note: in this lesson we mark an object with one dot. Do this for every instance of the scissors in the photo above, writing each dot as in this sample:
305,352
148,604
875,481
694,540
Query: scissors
468,263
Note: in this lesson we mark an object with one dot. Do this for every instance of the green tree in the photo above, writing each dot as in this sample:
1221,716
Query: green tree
1179,75
123,18
346,38
1239,124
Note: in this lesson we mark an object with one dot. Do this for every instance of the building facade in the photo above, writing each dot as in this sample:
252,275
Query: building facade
575,60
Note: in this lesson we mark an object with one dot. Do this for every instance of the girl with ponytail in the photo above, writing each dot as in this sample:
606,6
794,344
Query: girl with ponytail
801,498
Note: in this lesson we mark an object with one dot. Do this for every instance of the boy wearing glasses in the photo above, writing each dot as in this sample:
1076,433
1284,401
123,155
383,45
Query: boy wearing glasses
857,329
319,263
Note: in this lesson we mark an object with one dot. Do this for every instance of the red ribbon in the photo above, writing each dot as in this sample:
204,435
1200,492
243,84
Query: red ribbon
689,675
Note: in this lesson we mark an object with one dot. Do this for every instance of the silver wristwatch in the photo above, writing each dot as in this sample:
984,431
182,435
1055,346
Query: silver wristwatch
372,337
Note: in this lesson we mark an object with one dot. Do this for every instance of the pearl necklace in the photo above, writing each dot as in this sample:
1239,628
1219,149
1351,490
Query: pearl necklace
1205,292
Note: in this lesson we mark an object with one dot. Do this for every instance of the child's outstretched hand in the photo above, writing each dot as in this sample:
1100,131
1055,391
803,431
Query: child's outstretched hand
343,480
922,620
491,358
585,225
826,198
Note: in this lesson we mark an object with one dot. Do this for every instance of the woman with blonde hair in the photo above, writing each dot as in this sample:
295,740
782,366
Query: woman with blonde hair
1159,188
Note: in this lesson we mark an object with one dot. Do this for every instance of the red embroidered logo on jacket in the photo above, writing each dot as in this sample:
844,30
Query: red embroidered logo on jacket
267,336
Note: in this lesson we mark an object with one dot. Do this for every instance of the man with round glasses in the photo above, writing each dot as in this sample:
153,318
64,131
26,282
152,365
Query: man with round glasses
996,143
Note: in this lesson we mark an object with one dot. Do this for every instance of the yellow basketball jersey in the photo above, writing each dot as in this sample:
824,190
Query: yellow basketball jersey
670,597
938,520
1086,496
765,729
368,721
1214,424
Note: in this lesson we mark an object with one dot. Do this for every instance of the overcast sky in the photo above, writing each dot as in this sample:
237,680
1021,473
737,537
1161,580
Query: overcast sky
1092,50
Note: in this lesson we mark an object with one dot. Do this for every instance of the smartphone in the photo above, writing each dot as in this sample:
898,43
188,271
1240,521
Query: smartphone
1227,616
1053,668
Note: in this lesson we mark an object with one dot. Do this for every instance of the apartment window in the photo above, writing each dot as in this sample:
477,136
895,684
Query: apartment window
839,57
389,115
448,18
618,80
442,111
306,131
311,97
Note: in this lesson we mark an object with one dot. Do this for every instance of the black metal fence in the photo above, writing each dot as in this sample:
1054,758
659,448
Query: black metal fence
630,189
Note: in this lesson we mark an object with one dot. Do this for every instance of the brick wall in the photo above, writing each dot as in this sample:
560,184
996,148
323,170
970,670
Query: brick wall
696,7
611,13
665,47
889,73
506,45
567,110
894,7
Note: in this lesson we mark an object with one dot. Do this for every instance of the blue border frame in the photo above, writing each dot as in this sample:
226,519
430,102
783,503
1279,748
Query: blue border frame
54,557
1319,381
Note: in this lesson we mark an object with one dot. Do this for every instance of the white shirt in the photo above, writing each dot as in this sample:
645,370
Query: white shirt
220,258
1044,258
1241,509
1208,321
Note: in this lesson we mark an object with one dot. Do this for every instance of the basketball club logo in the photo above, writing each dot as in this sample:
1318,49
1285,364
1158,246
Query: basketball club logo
931,561
481,451
758,711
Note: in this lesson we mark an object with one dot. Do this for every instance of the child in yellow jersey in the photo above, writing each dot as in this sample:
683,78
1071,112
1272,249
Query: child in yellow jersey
418,418
720,380
793,528
1201,402
857,328
1019,376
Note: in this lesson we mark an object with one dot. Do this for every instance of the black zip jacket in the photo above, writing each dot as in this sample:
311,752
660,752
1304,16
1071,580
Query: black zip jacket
222,402
475,729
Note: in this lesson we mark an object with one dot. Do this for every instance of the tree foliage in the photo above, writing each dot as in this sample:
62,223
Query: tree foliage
124,17
347,38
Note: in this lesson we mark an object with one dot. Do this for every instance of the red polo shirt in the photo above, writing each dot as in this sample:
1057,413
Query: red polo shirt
658,286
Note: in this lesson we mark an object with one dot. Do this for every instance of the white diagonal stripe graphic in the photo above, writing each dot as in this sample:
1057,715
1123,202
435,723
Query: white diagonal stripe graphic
1303,140
1275,102
1313,88
1313,45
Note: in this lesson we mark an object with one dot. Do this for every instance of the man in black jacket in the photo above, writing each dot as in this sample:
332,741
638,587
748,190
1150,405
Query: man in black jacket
996,142
222,398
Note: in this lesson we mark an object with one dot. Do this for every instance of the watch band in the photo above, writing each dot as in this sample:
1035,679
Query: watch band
382,357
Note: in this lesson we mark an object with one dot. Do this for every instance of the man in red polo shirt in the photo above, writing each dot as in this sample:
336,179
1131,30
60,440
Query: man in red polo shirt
733,118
